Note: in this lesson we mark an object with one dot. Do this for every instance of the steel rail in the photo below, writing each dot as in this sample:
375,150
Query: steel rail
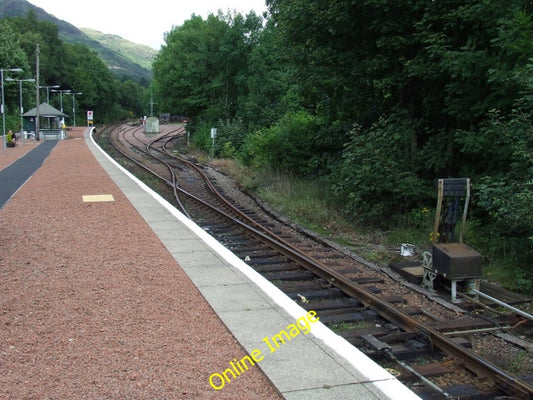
471,361
476,364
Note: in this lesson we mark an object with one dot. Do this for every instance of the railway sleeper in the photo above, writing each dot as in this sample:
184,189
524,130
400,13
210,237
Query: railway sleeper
356,308
324,305
470,392
239,238
462,324
368,280
403,345
350,270
269,261
264,269
301,275
251,249
433,369
321,294
366,315
212,228
232,238
297,287
462,341
354,336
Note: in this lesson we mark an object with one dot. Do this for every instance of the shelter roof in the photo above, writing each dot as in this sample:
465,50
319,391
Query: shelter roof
46,111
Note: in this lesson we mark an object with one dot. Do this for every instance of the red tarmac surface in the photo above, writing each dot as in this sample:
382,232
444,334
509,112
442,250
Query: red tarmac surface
92,305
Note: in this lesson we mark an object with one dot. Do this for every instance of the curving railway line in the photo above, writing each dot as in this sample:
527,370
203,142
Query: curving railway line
427,342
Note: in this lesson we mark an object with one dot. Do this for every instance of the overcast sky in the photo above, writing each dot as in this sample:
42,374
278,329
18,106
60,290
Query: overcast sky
140,22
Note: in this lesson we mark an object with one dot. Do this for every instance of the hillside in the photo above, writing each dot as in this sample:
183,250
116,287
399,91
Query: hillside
136,53
126,59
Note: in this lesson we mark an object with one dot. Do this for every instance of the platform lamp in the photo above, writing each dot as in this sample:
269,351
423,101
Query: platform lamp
48,91
3,105
21,106
61,91
74,105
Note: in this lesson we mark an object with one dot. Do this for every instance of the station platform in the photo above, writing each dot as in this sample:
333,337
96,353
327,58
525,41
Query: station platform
315,364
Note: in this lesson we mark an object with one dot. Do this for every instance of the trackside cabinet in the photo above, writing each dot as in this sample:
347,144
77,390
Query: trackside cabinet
453,261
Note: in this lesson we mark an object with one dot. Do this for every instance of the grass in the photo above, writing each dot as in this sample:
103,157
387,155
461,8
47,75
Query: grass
307,203
344,326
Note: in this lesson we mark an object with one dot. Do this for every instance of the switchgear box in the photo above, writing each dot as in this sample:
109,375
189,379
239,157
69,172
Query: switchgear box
456,261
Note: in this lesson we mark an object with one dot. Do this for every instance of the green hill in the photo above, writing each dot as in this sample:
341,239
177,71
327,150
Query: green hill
136,53
126,59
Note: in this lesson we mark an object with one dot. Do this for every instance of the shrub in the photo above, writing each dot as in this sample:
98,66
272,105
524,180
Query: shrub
287,146
376,177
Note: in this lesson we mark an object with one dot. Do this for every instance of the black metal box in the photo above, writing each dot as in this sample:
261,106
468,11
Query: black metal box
456,261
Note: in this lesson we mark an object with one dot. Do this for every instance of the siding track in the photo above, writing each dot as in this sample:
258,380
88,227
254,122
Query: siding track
408,331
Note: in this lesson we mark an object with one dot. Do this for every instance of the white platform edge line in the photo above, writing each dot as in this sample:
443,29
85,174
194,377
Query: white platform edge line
375,374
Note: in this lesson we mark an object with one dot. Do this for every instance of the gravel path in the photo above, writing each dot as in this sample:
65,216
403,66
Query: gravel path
93,306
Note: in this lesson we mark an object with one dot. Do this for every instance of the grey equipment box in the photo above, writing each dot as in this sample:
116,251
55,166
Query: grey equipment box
456,261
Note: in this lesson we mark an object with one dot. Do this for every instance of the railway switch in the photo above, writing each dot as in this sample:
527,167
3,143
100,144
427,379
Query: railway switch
451,260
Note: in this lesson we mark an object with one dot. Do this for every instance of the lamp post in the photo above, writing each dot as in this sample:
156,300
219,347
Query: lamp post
21,106
3,105
74,105
48,91
61,91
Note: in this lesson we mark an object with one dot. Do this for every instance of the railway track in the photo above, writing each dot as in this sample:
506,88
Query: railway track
425,343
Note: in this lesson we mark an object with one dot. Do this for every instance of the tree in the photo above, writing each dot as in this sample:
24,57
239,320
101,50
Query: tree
86,73
202,68
73,67
51,51
11,56
131,96
266,96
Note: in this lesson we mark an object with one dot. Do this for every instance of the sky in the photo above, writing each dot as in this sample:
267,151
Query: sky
140,22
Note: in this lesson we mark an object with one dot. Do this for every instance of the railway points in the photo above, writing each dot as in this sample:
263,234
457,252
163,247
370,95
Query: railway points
299,287
320,365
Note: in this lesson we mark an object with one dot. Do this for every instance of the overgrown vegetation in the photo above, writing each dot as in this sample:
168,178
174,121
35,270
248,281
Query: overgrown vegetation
372,101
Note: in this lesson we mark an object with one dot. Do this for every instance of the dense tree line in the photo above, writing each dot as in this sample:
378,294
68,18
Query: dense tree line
377,98
70,66
374,98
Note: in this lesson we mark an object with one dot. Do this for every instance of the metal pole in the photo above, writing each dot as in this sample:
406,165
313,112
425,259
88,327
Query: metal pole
37,92
65,91
21,110
501,303
3,101
48,91
3,115
74,107
21,102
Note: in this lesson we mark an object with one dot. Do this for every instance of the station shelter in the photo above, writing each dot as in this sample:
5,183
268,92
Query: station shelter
51,122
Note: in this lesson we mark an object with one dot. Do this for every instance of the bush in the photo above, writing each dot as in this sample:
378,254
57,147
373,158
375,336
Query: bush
502,179
376,177
287,146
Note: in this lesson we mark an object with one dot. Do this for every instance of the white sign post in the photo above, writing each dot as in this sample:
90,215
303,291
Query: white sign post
213,135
